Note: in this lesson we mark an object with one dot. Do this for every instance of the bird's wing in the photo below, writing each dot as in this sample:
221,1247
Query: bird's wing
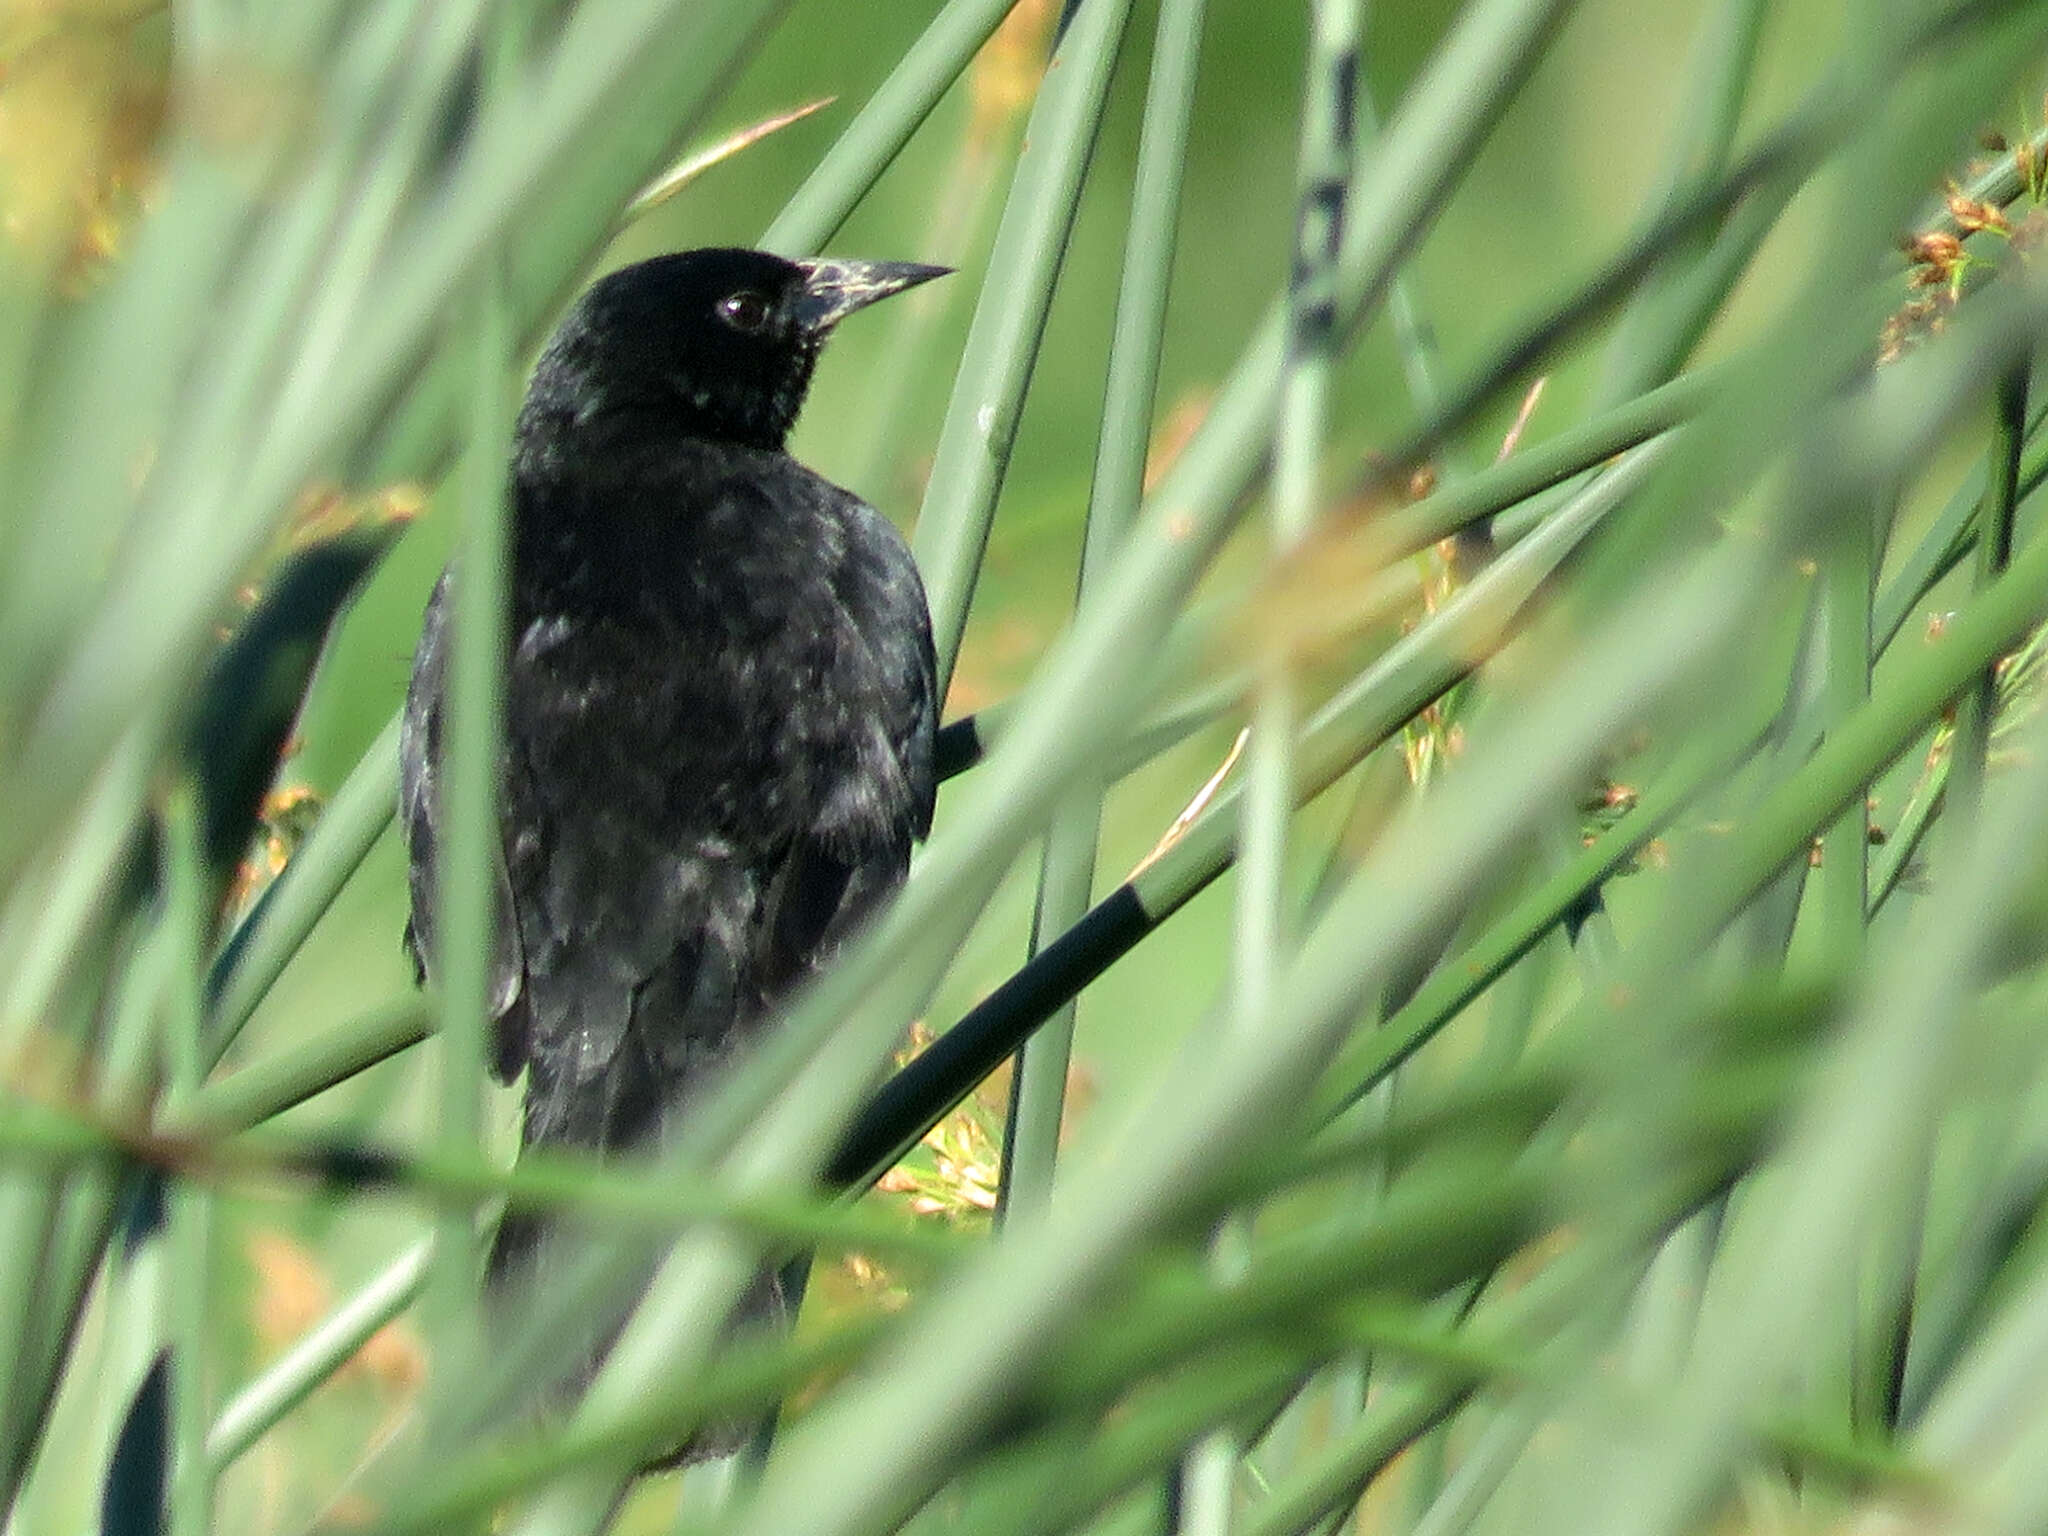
904,651
704,801
855,853
638,975
634,892
422,821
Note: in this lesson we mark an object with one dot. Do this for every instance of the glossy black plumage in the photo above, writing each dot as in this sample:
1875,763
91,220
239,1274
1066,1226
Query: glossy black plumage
719,701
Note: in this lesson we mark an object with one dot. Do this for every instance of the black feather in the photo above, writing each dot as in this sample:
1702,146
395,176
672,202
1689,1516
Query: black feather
720,708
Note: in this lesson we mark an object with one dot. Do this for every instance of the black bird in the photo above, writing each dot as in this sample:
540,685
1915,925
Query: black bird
719,707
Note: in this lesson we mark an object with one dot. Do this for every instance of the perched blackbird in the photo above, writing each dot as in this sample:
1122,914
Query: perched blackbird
719,708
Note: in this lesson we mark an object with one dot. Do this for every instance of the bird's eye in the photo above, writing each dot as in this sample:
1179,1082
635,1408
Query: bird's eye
744,311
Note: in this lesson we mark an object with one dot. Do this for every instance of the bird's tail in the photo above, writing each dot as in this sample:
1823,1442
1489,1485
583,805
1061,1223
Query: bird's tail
535,1257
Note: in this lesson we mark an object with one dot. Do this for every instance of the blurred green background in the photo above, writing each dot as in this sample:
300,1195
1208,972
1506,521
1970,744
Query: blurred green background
1554,189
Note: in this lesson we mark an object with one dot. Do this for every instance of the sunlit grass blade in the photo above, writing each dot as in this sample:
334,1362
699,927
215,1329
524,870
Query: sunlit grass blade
695,164
860,155
1002,345
1067,870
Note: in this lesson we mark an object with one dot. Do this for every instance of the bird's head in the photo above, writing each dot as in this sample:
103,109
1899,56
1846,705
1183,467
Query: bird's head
717,343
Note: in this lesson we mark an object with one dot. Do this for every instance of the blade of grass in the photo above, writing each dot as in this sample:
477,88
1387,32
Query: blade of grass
1889,1297
251,1413
872,141
130,1071
692,166
1457,983
1971,747
1262,922
1950,539
1016,296
263,943
1067,869
292,1074
1663,322
49,918
190,1304
472,851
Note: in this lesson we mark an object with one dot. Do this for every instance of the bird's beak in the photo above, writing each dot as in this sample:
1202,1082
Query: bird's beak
834,289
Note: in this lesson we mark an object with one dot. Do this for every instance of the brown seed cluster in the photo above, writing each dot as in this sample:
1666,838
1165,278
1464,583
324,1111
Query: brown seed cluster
1941,260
